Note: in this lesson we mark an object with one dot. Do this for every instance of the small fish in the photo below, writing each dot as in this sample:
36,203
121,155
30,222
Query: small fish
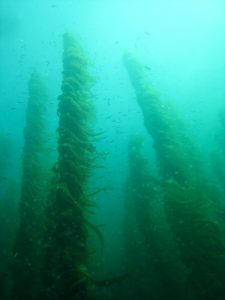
147,68
137,42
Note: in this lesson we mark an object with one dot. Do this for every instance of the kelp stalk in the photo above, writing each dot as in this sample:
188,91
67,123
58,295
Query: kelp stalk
27,240
65,275
188,198
149,241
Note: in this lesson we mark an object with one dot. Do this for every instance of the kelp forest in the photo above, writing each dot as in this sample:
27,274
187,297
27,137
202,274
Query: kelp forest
112,150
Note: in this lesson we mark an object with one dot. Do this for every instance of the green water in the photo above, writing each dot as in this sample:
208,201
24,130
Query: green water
112,149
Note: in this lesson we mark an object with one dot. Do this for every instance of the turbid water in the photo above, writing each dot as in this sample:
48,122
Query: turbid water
112,160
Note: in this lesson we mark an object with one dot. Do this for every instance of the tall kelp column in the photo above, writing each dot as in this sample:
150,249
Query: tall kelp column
188,200
160,274
27,240
65,275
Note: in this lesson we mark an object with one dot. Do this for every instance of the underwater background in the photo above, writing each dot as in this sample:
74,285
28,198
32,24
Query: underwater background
112,149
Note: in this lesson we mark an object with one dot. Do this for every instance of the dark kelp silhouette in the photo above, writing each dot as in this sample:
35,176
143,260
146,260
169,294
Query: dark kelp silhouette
24,264
189,204
65,274
148,236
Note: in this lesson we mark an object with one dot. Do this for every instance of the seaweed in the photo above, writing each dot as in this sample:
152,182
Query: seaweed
190,205
160,271
65,274
25,249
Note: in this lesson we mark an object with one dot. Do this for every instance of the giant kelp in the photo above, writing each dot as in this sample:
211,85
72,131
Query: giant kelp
24,265
160,274
65,274
188,200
